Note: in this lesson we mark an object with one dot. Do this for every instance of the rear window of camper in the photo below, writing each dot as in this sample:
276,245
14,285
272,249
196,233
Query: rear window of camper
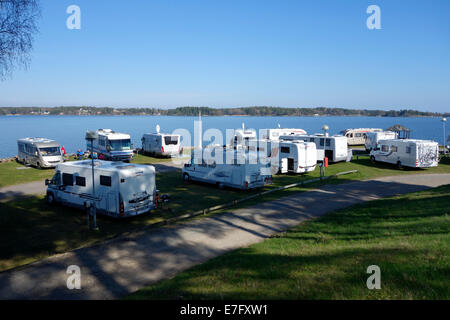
105,181
169,140
80,181
67,179
285,150
384,148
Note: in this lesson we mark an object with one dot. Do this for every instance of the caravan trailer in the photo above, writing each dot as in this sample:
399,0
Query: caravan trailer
161,144
287,156
333,147
111,145
241,171
121,189
407,152
274,134
39,152
358,136
374,137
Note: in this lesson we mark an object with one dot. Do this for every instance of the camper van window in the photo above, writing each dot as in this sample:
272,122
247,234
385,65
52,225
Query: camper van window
105,181
102,142
285,150
384,148
322,142
394,148
67,179
170,140
22,148
311,140
357,135
408,149
52,151
118,145
328,142
80,181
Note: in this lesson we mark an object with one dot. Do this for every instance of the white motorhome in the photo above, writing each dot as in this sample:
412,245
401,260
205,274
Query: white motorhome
333,147
111,145
374,137
287,156
228,168
39,152
407,152
274,134
121,189
358,136
161,144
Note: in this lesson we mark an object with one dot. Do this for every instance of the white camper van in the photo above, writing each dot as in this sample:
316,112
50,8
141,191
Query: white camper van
241,171
374,137
333,147
358,136
161,144
287,156
111,145
121,189
274,134
39,152
407,152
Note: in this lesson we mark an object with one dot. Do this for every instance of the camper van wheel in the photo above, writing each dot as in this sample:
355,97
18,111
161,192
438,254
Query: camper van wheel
220,185
186,177
372,158
50,198
399,165
38,165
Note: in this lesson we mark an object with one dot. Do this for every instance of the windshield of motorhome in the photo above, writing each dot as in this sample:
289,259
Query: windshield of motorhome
50,151
117,145
168,140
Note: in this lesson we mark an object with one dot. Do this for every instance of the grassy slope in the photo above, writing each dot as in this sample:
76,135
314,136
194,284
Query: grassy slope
408,237
29,230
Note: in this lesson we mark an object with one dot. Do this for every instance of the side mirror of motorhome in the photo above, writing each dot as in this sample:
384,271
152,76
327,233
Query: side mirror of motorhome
47,182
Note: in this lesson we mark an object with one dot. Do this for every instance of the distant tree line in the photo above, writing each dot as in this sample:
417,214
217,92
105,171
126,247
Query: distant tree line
207,111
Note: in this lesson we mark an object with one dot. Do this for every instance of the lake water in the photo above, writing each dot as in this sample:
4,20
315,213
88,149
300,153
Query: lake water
70,130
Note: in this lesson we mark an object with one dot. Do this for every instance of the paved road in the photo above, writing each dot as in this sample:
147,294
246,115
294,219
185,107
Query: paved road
38,187
123,265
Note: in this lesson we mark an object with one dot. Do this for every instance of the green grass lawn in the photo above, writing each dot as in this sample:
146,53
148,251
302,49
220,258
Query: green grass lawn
408,237
30,230
15,173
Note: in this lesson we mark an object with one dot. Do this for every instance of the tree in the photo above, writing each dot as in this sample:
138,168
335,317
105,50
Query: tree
18,24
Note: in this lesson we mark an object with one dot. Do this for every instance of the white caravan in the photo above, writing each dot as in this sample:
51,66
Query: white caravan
287,156
241,171
161,144
274,134
333,147
374,137
39,152
358,136
111,145
121,189
407,152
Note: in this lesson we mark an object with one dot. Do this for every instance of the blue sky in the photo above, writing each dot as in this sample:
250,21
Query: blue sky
239,53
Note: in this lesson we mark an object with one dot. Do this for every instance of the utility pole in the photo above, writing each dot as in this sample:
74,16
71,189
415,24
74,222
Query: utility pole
444,120
90,137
